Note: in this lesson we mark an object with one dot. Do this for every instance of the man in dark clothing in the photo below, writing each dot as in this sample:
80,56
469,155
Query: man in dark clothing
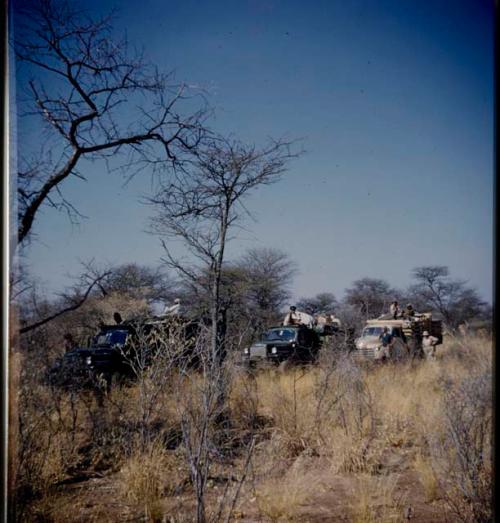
409,312
386,338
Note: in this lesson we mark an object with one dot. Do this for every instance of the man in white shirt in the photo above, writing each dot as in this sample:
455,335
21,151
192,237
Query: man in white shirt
429,345
173,310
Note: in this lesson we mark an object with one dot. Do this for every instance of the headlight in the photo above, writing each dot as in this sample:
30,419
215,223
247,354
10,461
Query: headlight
274,350
246,350
88,360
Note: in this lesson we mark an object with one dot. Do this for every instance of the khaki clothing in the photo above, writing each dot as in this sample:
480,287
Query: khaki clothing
429,346
394,310
334,320
292,318
173,310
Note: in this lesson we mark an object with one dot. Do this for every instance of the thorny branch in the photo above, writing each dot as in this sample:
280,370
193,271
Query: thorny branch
104,100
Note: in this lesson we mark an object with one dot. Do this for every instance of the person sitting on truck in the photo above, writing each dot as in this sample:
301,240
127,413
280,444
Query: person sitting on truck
305,319
292,317
173,310
321,321
394,310
429,345
409,312
334,320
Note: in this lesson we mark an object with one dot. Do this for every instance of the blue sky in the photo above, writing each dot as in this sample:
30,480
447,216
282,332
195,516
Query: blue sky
393,101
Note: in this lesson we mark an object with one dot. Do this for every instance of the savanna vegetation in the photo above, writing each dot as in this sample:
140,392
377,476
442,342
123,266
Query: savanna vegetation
338,440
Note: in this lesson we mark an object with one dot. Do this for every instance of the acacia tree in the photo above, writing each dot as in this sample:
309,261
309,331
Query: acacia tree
371,296
97,100
267,276
323,302
435,289
201,206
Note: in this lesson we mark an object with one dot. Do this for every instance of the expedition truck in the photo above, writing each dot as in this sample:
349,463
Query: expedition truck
406,333
293,343
119,350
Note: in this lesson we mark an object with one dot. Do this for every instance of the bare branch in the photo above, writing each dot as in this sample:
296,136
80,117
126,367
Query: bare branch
77,304
94,80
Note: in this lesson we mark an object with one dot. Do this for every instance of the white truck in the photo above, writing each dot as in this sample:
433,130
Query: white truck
406,337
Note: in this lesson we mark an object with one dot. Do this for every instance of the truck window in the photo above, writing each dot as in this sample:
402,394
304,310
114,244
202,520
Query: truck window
372,331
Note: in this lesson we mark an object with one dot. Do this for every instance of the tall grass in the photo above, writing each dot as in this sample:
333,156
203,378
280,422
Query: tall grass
434,417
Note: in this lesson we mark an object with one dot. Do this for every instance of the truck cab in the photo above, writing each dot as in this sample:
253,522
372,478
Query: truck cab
369,346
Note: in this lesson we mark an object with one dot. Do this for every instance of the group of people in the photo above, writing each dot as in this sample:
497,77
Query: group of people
428,343
408,312
295,317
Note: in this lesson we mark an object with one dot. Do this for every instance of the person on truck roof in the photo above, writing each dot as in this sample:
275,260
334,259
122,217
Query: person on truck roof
173,310
409,311
334,320
394,310
292,317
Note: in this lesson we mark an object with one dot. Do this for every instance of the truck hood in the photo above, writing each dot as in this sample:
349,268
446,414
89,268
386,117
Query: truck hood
368,342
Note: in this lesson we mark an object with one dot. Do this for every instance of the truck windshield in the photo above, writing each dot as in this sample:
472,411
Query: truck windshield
372,331
279,335
115,337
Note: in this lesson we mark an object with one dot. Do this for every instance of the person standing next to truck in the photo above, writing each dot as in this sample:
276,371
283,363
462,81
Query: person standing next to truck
387,340
429,345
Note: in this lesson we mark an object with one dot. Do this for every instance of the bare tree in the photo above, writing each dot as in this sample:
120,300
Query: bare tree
323,302
435,289
371,296
137,281
97,99
33,316
202,205
268,275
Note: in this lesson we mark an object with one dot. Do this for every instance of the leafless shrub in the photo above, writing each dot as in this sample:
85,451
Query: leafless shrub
462,452
201,401
345,417
49,436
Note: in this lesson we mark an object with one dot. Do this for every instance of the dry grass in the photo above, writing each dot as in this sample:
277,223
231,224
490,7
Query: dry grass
283,498
352,420
147,477
375,499
427,476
